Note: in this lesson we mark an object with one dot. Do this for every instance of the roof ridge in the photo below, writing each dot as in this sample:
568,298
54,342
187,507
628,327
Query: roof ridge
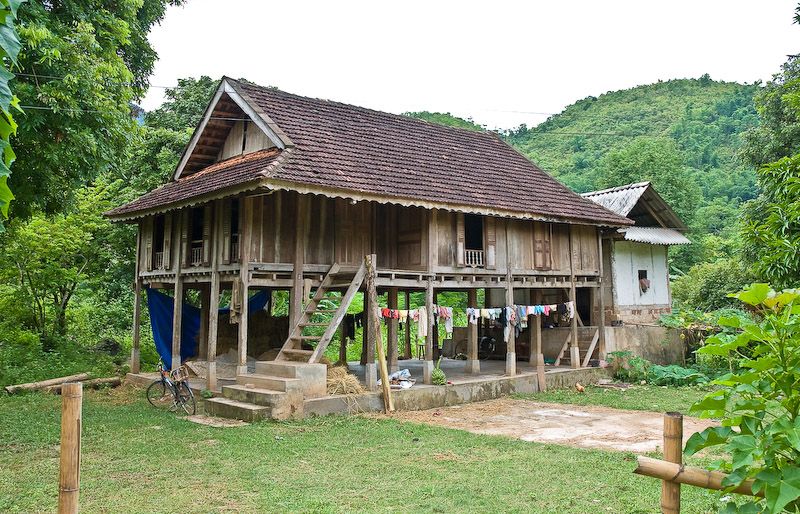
362,108
614,189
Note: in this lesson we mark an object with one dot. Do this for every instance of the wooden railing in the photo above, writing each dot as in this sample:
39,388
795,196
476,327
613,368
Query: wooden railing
196,255
234,247
158,261
473,258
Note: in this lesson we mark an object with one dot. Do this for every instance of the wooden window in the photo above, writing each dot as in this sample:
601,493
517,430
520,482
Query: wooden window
490,225
542,246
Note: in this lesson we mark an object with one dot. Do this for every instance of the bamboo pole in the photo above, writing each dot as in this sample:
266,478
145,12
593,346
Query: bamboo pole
375,327
697,477
93,383
32,386
673,452
69,477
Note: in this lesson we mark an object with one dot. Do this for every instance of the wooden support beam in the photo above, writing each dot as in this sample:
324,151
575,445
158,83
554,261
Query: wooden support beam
342,343
246,227
375,331
213,298
511,350
473,363
364,333
202,336
427,367
574,350
69,475
408,353
592,346
296,300
601,318
391,332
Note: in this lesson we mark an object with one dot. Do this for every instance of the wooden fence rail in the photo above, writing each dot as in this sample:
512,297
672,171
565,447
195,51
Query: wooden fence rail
674,473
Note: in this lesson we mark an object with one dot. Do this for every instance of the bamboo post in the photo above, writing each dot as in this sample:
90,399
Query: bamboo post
672,472
673,452
69,477
375,329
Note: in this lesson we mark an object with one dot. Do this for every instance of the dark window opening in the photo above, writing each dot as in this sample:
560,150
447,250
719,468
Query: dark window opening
644,282
158,242
244,136
473,232
197,224
642,274
234,230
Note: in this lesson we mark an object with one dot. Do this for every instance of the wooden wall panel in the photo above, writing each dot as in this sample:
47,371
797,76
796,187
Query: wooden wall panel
411,238
286,228
319,242
542,245
520,244
448,234
559,245
353,231
584,248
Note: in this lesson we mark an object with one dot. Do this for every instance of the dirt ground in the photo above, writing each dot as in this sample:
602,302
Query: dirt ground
572,425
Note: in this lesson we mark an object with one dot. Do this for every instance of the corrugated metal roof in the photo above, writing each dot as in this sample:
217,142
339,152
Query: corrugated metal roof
620,199
654,235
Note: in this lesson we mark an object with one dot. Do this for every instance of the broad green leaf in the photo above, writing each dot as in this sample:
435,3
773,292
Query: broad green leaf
5,196
9,41
754,295
712,436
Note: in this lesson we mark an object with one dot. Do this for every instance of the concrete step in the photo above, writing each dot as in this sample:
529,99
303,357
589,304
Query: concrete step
277,369
254,395
273,382
233,409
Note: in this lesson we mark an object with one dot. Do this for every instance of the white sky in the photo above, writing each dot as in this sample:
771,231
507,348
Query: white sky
472,59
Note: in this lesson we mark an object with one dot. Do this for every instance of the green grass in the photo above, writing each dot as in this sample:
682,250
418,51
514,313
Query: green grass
647,397
137,459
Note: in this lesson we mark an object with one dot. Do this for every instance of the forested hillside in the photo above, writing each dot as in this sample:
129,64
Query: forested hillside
703,117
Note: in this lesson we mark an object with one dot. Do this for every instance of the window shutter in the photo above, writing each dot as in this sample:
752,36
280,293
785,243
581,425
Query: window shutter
226,231
460,238
167,240
542,254
207,235
491,242
186,258
147,238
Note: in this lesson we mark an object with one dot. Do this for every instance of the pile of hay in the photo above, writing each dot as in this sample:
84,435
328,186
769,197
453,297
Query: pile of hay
342,382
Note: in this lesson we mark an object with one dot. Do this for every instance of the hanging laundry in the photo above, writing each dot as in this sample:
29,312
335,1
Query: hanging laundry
485,313
570,309
448,320
422,326
473,315
403,315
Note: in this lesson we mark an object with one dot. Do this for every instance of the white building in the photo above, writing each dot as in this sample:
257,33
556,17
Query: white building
636,262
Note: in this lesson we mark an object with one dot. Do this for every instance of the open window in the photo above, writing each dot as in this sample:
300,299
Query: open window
473,241
158,243
644,282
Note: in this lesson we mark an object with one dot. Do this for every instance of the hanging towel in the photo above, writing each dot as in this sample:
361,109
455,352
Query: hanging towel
403,314
472,315
448,321
422,326
570,309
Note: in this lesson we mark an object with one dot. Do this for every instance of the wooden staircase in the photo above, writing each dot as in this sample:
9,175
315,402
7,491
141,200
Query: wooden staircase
318,313
587,346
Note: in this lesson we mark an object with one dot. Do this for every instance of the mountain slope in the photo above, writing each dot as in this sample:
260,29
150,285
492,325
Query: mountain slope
704,117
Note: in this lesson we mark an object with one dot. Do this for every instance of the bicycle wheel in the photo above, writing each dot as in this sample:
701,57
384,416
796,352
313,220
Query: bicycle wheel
186,399
159,395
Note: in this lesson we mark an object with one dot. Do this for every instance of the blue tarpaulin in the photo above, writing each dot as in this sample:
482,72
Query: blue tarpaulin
161,308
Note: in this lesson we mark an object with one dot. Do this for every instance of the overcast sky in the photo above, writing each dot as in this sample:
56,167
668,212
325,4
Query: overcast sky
502,63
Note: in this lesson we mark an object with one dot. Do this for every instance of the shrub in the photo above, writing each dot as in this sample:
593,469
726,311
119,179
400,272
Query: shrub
627,367
759,403
708,286
674,375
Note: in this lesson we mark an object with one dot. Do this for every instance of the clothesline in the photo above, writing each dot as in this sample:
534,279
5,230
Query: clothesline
512,316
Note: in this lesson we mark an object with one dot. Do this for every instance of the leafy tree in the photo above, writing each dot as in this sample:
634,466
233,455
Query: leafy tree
50,257
759,403
81,65
708,285
657,161
9,48
184,104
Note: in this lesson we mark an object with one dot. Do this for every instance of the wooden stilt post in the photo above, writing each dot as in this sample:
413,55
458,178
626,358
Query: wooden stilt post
296,300
364,332
673,452
137,323
177,319
368,336
574,350
601,318
343,344
535,322
69,477
202,336
392,332
246,227
213,301
375,332
408,350
427,365
511,350
472,364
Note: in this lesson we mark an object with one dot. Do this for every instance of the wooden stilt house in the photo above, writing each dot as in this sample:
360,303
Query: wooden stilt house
281,192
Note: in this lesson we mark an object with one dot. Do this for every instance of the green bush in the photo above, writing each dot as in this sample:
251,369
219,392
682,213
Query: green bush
708,286
627,367
758,403
674,375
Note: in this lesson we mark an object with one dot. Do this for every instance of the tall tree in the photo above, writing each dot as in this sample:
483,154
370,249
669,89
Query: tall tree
81,65
660,162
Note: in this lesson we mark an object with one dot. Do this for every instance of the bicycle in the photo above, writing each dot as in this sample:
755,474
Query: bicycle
171,391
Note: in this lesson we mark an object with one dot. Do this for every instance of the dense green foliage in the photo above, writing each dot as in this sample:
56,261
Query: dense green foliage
9,51
80,67
771,227
759,403
707,285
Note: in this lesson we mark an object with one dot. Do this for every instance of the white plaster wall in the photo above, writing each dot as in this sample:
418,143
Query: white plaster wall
630,257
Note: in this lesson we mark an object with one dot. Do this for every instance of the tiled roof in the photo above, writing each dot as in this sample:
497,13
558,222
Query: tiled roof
344,147
235,172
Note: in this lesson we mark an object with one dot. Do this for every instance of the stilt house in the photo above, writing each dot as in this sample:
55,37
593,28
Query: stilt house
281,192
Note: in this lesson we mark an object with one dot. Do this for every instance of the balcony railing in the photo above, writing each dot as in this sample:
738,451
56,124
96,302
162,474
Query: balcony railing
234,247
158,261
473,258
196,254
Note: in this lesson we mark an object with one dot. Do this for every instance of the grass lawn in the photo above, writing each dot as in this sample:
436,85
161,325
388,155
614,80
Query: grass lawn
138,459
646,397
